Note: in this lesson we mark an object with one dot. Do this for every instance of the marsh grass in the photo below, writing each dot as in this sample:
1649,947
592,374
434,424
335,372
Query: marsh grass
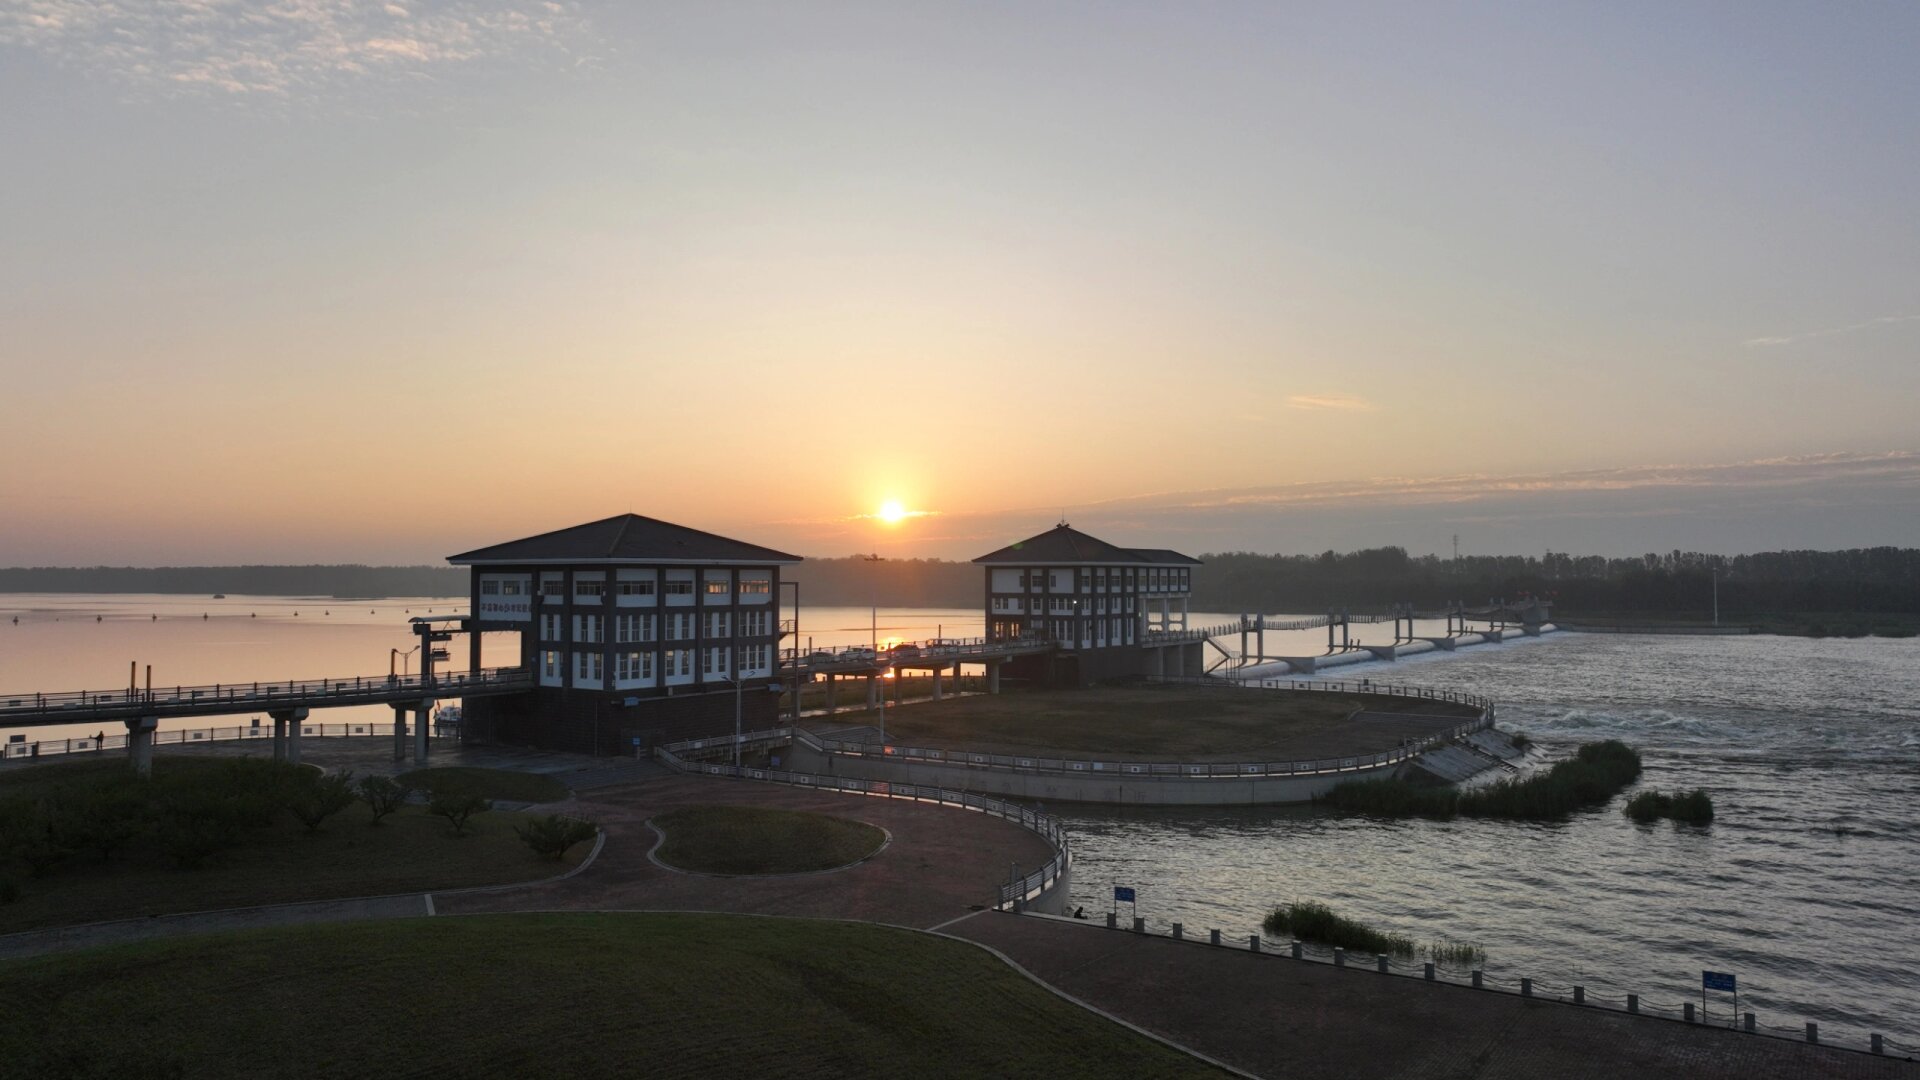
1320,924
1690,808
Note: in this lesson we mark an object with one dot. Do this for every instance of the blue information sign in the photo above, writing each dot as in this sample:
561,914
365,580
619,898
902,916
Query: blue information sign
1716,980
1122,892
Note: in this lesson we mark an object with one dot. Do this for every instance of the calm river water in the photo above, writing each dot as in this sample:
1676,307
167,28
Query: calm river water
1807,886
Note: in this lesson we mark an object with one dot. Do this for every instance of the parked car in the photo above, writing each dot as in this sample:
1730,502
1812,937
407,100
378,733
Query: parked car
906,650
819,656
859,654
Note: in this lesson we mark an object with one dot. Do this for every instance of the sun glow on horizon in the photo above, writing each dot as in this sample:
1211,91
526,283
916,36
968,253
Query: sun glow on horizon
892,512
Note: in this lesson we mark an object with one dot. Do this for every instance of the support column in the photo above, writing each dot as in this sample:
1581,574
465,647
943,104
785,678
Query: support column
292,719
993,676
422,716
938,674
140,743
831,682
279,737
400,732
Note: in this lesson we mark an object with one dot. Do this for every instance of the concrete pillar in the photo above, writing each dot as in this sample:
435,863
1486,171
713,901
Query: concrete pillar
1427,970
1479,975
1633,1003
831,686
1112,920
939,674
1874,1042
422,716
1747,1022
1339,957
140,743
286,733
1253,943
1526,989
1813,1032
1689,1012
1213,937
1178,930
993,677
1139,925
400,732
1381,963
1579,995
1297,950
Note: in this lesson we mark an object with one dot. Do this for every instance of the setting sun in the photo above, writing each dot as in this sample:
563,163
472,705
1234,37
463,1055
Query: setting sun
892,512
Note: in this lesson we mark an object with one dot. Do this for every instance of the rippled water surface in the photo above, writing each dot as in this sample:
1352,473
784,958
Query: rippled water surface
1806,886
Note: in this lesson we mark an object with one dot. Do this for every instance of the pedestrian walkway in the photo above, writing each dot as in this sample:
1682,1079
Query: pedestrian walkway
1278,1017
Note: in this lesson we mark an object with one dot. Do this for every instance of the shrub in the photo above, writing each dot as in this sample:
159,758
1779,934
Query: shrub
552,835
102,819
1392,798
382,795
1318,923
1595,773
313,798
27,835
196,824
9,889
456,806
1692,808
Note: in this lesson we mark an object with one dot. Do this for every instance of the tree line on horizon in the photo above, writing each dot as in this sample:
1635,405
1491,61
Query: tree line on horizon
1878,579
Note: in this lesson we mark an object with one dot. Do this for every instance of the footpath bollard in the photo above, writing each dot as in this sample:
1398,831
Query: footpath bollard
1873,1040
1748,1023
1383,963
1526,987
1476,978
1339,957
1429,971
1298,951
1111,917
1176,931
1579,995
1213,937
1689,1012
1633,1003
1253,943
1139,925
1813,1032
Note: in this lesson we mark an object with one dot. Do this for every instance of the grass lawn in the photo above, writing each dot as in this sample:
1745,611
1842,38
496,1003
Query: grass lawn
751,840
278,863
1163,723
566,996
503,784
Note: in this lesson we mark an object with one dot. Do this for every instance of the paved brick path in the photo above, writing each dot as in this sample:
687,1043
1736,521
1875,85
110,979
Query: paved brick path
941,864
1283,1018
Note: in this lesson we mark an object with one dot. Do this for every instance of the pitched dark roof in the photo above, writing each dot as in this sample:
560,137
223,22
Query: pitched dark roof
626,538
1065,544
1165,556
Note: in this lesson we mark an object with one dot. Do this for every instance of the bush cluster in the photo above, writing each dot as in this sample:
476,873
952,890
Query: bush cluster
1594,775
1318,923
1692,808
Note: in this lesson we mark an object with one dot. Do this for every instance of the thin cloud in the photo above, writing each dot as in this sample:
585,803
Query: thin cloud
1835,331
1338,402
283,50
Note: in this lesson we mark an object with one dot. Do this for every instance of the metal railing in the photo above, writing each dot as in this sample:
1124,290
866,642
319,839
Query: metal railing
41,748
1185,770
234,697
1027,888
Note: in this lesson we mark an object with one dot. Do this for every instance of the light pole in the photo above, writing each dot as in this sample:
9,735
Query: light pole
401,655
736,712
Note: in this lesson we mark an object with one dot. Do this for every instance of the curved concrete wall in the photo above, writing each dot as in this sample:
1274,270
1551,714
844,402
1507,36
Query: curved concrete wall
1067,787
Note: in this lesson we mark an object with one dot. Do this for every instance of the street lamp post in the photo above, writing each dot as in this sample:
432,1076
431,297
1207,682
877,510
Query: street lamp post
402,656
873,594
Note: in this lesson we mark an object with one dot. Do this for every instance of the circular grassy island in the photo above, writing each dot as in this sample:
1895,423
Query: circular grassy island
740,840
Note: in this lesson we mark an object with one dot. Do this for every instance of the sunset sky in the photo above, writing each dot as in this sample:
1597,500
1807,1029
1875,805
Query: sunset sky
326,281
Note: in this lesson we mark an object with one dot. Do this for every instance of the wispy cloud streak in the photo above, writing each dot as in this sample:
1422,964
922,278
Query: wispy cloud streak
285,48
1834,331
1338,402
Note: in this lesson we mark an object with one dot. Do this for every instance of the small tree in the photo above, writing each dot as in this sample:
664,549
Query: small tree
457,806
313,798
101,820
383,795
27,834
552,835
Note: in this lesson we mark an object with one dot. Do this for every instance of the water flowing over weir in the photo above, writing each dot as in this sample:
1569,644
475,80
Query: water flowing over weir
1807,885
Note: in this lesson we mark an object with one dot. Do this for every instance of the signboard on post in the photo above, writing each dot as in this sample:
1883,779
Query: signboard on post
1719,980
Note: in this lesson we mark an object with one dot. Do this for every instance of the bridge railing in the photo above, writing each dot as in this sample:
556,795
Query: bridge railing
265,694
677,756
41,748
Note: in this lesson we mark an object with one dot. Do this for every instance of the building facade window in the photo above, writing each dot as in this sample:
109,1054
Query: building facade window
634,588
679,588
714,662
680,626
756,584
586,668
632,666
756,623
630,628
553,627
550,673
593,589
679,663
589,629
718,625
